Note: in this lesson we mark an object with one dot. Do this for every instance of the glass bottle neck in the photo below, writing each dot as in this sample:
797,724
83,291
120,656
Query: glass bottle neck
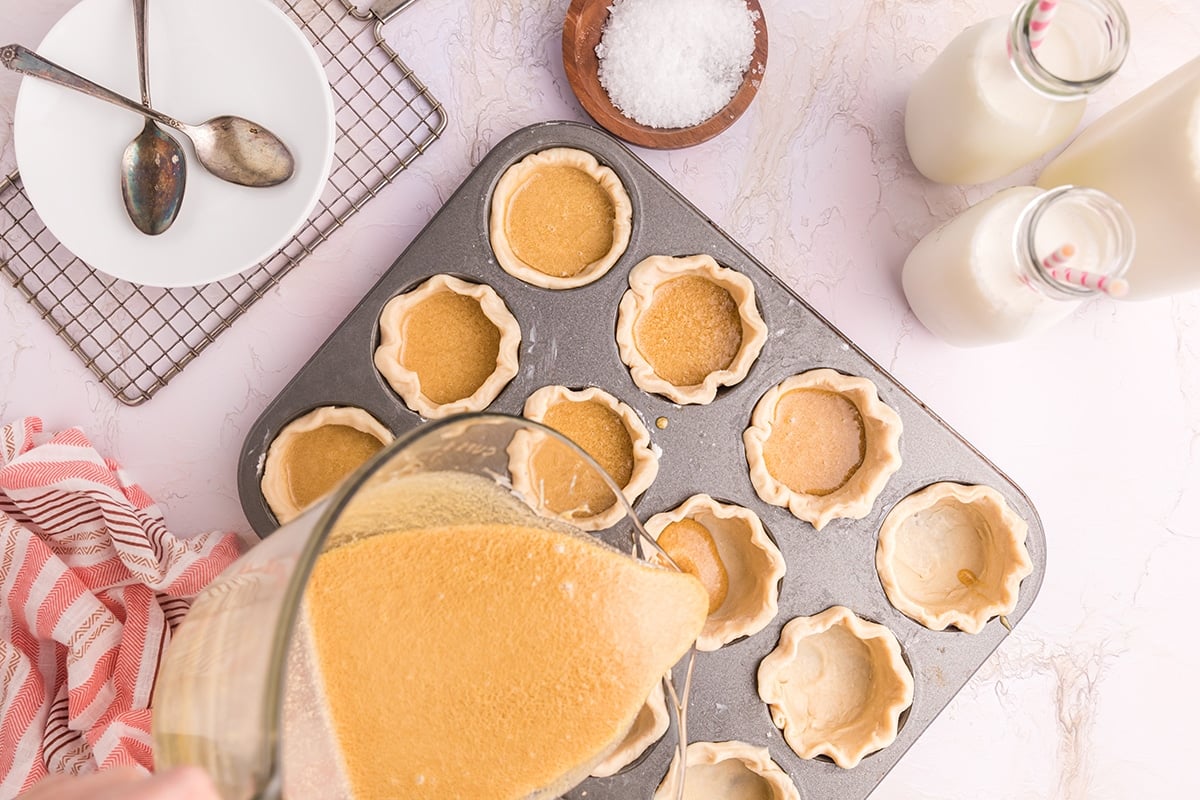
1073,243
1067,49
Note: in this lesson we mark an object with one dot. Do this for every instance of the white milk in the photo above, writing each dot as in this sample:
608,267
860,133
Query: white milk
1146,154
991,102
970,118
976,280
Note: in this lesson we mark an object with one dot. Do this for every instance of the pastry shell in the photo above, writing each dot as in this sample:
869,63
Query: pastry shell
649,726
511,182
525,444
970,558
274,484
407,383
816,723
754,759
881,427
752,560
653,272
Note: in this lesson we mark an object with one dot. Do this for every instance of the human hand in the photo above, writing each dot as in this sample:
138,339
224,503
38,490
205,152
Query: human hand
126,783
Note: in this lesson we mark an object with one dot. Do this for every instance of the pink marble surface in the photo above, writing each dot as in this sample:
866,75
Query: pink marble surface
1094,696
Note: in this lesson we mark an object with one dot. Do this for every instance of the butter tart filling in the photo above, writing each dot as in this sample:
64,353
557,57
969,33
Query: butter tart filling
687,327
823,445
553,478
559,219
448,346
314,453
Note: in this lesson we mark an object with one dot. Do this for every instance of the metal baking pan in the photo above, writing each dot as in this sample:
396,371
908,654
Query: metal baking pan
568,338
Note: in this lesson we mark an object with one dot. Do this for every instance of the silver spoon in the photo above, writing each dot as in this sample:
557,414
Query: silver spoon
232,148
153,169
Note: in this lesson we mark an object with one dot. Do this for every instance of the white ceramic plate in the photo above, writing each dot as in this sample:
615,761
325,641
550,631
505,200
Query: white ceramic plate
207,58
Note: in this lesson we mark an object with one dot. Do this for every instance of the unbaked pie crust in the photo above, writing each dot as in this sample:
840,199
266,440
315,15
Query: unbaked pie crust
675,327
636,469
278,486
842,483
953,555
448,339
723,770
836,686
559,198
750,562
649,726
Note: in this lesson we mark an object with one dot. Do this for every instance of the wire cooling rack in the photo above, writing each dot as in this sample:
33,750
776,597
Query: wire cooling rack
137,338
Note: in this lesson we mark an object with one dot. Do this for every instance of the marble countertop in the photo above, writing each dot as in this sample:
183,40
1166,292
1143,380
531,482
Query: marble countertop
1094,695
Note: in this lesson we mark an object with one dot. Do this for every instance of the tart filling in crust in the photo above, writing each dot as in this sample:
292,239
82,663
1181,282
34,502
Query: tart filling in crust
312,454
687,326
448,346
559,219
953,555
836,685
552,477
822,444
726,547
728,771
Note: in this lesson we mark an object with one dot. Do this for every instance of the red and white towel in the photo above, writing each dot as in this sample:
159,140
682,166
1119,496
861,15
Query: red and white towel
92,585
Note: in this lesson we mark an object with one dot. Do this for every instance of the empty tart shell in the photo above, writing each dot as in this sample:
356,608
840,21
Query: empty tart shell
314,439
552,478
823,445
448,346
649,726
953,555
836,686
562,197
733,557
728,771
687,326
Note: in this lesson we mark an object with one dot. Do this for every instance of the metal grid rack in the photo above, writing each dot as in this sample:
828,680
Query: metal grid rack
137,338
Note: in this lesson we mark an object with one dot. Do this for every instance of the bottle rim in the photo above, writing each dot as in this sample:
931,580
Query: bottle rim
1022,54
1111,214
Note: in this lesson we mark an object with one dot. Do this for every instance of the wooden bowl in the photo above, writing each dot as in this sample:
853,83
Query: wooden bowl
581,34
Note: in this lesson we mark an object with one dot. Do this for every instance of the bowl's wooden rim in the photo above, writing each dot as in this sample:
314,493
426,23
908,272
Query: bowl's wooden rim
581,33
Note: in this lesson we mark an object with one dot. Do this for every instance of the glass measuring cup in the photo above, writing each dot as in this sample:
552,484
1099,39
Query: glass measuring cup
238,694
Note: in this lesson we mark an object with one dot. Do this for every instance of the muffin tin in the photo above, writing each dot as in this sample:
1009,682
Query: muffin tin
568,338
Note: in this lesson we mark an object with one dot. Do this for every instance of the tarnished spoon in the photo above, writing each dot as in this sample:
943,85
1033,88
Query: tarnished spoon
232,148
153,169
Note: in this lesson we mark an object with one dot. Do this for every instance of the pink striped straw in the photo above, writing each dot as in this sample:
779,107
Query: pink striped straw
1040,21
1059,257
1057,268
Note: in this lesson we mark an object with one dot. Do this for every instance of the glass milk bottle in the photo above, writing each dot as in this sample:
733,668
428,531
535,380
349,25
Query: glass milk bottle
1006,91
1017,263
1146,154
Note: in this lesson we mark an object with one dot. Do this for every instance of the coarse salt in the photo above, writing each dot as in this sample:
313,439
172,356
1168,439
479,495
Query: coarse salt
675,63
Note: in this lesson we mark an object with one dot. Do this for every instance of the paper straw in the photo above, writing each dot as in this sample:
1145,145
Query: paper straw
1113,287
1056,265
1043,13
1059,257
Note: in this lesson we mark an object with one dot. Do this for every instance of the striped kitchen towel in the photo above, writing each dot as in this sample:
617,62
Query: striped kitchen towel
93,585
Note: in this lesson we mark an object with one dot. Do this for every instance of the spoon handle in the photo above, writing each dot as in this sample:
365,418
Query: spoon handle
25,61
139,33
